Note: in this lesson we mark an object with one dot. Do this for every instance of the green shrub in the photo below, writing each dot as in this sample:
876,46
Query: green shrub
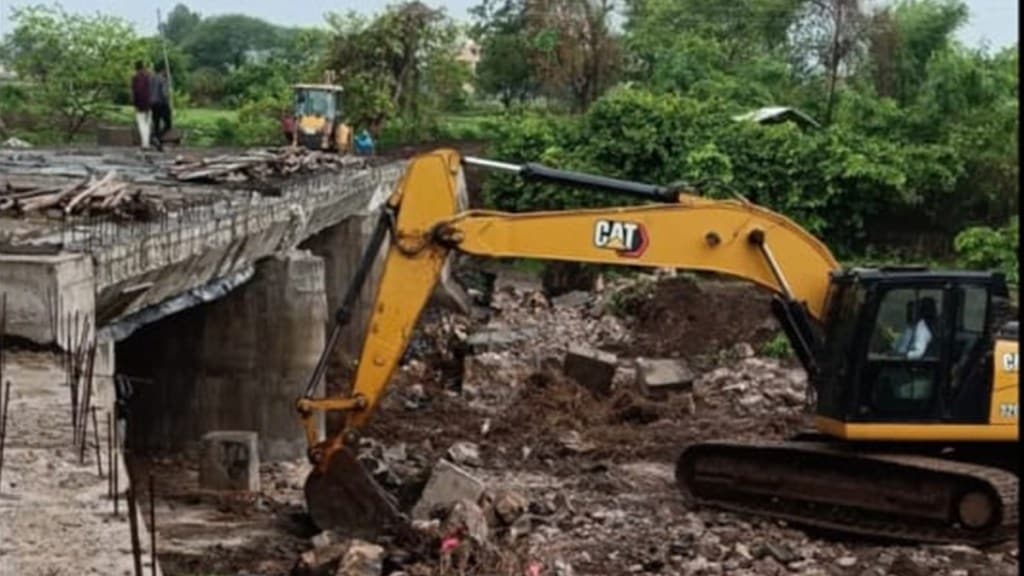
984,248
778,347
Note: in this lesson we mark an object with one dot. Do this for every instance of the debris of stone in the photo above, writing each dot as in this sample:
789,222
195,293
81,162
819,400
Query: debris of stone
658,377
15,142
847,561
362,559
325,538
572,299
466,518
510,506
466,453
591,368
448,484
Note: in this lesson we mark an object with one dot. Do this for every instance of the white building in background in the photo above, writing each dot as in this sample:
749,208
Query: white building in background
469,54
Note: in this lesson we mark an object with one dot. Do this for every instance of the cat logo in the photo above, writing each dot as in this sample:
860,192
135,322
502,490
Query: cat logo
628,239
1011,362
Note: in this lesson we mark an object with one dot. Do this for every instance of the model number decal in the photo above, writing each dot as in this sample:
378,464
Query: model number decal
1007,410
629,239
1011,362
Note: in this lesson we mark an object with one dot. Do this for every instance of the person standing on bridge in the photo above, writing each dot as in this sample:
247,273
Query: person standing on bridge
160,104
141,101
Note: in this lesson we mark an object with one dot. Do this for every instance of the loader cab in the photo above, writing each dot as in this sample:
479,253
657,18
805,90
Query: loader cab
318,117
908,346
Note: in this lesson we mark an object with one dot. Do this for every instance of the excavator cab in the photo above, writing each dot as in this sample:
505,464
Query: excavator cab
918,349
317,122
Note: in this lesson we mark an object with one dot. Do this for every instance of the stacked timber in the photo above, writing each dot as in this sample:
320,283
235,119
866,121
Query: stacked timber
260,165
93,195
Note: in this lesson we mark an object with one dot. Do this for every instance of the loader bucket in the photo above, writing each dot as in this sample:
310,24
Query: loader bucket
342,496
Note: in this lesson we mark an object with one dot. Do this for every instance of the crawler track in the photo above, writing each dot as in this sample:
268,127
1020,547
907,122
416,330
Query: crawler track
914,498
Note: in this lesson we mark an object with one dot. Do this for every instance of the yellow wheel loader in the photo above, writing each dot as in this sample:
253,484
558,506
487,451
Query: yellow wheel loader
912,372
317,121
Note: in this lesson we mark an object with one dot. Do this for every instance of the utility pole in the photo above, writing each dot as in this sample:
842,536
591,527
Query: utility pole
167,64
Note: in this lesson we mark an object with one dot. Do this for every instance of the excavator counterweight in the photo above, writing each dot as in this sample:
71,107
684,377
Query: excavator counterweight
913,372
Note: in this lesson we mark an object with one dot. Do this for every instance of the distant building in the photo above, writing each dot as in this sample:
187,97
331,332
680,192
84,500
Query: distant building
470,54
777,115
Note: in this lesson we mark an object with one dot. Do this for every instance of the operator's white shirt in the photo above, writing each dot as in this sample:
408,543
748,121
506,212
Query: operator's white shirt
914,342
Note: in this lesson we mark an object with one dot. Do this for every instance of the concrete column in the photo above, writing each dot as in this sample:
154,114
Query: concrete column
235,364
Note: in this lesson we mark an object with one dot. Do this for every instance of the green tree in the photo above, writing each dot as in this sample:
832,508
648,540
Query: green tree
180,22
400,63
504,70
79,64
227,42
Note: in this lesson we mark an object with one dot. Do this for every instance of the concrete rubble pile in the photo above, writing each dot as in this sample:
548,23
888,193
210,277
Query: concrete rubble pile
507,458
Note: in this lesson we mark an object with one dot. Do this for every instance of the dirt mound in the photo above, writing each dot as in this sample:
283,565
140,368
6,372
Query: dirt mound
684,317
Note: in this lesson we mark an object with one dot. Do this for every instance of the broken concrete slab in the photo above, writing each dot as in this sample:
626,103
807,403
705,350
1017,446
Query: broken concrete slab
448,484
658,377
229,460
591,368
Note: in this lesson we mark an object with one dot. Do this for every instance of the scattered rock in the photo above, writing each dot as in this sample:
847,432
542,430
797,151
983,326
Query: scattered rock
466,453
321,561
509,506
743,350
847,561
325,539
448,484
467,519
573,442
658,377
362,559
591,368
498,338
572,299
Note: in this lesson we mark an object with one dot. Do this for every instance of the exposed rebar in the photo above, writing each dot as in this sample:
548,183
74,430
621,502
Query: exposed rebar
96,443
3,428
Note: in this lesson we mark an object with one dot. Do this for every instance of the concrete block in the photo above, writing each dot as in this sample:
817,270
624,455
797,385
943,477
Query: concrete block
447,485
230,460
657,377
593,369
44,292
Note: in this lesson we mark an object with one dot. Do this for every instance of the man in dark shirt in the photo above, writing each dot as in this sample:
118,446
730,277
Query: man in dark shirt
141,100
160,104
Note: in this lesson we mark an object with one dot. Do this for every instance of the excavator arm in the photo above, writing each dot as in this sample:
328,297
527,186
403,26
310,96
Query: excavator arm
424,222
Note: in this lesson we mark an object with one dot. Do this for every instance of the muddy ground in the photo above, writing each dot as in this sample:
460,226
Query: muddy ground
584,480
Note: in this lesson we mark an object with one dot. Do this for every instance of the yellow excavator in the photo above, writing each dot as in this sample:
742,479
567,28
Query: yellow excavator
913,372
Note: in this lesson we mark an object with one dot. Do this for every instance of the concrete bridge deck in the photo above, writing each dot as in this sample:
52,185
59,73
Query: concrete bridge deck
216,306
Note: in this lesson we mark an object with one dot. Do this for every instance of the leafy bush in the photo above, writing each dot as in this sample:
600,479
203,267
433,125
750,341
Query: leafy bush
778,347
984,248
833,182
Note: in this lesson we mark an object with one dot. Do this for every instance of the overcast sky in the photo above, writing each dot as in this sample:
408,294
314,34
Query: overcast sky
991,21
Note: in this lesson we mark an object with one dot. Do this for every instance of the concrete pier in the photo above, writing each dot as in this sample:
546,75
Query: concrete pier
235,364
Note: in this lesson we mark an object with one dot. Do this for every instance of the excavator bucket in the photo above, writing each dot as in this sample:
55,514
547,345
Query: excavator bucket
342,496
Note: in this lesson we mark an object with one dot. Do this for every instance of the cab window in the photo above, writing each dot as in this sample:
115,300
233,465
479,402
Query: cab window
902,371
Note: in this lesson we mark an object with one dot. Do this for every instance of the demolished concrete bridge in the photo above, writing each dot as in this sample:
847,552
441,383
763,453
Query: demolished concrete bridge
206,279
